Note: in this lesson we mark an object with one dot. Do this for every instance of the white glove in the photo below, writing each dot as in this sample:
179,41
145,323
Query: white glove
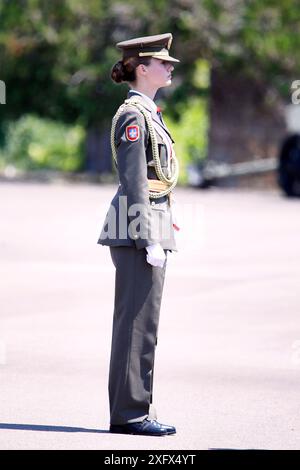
156,255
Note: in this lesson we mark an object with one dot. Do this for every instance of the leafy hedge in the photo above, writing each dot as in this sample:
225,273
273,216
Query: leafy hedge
33,143
190,134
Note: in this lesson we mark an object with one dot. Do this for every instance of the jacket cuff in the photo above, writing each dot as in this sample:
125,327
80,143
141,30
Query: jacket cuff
143,243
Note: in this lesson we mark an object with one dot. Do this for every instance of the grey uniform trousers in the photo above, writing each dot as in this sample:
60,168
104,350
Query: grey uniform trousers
138,295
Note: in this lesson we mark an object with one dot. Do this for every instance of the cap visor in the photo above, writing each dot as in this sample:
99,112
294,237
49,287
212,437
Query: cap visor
166,58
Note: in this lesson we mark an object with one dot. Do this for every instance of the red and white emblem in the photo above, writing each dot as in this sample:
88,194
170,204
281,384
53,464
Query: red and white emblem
132,133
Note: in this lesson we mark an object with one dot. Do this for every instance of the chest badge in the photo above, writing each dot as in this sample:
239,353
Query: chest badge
132,133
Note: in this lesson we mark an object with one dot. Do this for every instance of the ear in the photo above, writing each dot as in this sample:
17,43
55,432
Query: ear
141,69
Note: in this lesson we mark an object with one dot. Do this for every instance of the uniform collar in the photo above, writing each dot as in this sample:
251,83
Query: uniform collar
146,98
151,106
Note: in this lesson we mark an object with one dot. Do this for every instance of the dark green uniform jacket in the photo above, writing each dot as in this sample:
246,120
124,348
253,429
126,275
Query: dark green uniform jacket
133,219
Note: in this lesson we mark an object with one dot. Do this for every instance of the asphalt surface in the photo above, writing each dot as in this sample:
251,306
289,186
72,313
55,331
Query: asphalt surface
227,371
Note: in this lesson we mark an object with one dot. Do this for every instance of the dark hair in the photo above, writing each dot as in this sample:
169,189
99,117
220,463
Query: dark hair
124,70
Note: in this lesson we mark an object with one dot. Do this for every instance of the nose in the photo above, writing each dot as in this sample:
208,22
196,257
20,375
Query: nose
171,68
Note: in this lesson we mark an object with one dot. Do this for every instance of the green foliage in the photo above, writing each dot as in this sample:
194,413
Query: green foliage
35,143
190,134
188,120
56,57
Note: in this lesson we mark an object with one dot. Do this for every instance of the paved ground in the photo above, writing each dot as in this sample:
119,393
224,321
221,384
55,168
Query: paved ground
228,357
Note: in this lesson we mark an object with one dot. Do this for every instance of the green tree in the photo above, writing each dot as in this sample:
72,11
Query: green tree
55,57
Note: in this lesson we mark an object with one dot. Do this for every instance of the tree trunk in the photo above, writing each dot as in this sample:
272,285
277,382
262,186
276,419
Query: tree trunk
98,151
247,122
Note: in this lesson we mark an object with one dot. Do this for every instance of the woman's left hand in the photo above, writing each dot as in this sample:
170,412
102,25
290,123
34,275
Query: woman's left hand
156,255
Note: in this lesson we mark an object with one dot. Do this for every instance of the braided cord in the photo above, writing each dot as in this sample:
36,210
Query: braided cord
170,181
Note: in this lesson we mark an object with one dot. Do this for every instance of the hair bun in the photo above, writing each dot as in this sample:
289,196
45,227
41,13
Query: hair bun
118,72
125,70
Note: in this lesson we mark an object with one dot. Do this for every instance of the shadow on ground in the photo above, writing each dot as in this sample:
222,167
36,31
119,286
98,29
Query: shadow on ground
41,427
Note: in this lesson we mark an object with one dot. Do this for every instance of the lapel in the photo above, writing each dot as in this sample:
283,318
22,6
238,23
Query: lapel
155,118
154,115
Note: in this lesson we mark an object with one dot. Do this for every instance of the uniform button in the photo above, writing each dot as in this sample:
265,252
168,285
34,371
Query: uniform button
135,236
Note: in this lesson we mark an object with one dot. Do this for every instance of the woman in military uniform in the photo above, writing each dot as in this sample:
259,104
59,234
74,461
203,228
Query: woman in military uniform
139,229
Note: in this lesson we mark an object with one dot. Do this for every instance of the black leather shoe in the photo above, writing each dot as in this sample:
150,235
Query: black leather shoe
144,428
